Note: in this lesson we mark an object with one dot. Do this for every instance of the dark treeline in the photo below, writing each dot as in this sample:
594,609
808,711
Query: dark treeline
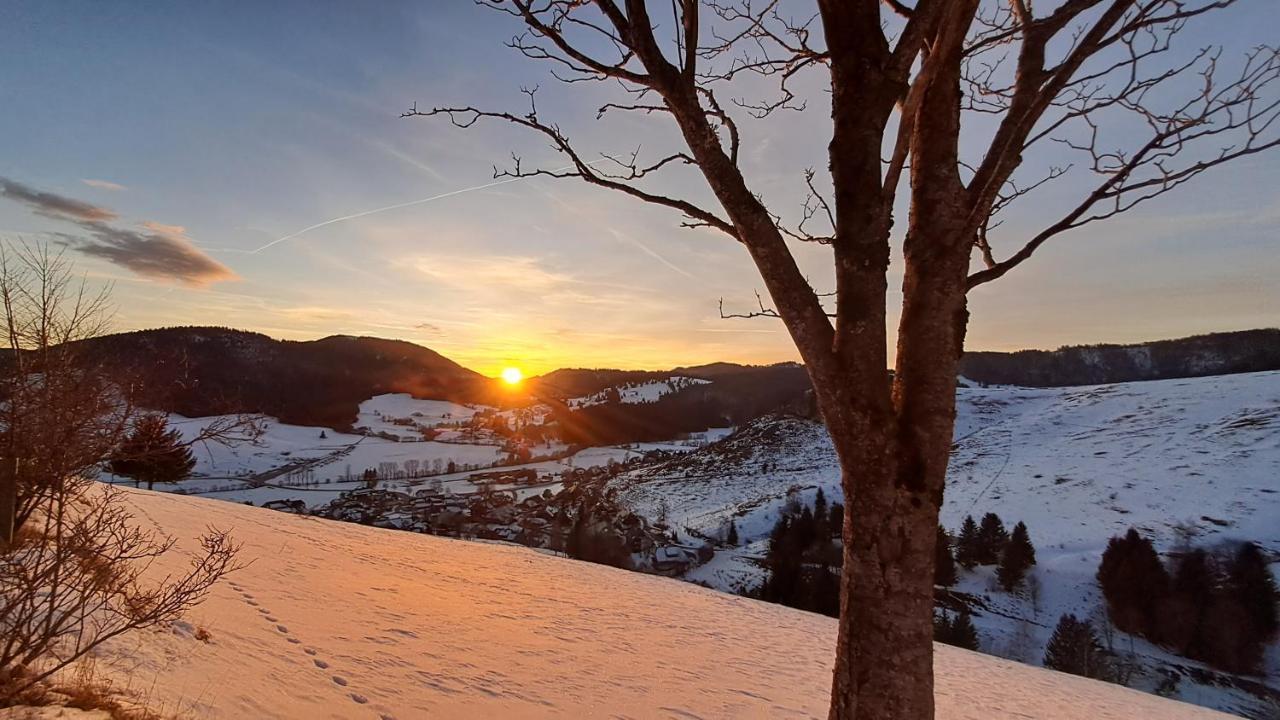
1218,607
1212,354
803,561
198,371
736,395
988,543
803,568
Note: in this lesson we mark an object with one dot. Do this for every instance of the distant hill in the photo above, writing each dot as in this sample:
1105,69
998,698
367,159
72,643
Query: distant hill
735,395
209,370
1213,354
199,371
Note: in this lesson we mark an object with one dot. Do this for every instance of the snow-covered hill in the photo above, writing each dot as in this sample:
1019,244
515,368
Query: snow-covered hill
634,393
1197,458
1077,464
333,620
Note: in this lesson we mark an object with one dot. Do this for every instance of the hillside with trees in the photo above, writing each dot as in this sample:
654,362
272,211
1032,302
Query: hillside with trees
200,371
735,395
1222,353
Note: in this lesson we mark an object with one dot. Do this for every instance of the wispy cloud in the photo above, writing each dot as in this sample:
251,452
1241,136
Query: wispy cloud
53,205
103,184
397,206
492,271
625,238
155,250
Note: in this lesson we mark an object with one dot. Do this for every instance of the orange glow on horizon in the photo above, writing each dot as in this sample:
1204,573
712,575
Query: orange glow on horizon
512,376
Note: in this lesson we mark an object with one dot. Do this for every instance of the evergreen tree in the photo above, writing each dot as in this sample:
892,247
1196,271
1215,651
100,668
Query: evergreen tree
835,520
958,631
826,592
575,543
1250,580
732,539
1182,615
967,544
944,566
820,515
1134,583
1074,649
991,539
963,633
152,453
941,627
1018,556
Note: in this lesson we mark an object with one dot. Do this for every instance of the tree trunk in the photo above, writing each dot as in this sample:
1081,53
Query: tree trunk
893,475
884,658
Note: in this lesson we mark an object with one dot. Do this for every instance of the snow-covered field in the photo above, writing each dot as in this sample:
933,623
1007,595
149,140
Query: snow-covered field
315,464
378,413
1078,465
334,620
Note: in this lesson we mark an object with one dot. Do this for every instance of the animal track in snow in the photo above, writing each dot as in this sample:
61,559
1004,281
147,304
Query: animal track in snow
339,680
282,629
357,697
320,663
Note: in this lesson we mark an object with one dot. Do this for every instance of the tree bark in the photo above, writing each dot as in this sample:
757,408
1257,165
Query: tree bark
884,658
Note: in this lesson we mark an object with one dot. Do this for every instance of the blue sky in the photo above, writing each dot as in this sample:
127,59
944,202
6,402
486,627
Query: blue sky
231,125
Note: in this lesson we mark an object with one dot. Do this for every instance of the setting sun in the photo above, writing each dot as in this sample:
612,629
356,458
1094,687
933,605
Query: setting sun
512,376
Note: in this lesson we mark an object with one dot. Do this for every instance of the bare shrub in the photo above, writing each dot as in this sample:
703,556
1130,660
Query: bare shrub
78,571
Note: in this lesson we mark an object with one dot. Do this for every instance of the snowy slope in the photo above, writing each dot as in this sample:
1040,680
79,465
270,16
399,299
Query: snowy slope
335,620
1078,465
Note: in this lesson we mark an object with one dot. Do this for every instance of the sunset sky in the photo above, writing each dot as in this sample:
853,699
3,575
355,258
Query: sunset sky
172,145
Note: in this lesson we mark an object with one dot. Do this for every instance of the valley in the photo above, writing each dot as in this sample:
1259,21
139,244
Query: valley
1182,460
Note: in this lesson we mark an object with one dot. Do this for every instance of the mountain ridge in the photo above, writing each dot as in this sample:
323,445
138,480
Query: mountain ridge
210,370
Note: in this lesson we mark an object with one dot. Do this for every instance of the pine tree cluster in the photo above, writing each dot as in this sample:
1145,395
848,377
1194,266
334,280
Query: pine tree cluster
955,630
1220,609
803,561
1074,648
989,543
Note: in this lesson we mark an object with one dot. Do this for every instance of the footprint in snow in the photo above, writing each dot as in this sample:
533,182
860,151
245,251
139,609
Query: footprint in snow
358,698
271,618
264,611
294,640
320,663
282,629
309,651
339,680
252,602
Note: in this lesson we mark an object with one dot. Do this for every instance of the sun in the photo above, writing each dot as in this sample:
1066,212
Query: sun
512,376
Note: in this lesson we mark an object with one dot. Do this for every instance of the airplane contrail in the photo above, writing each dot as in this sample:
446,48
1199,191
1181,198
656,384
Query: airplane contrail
397,206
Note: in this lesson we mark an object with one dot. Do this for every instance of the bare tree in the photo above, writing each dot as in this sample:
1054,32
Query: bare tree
63,413
77,572
78,579
901,76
